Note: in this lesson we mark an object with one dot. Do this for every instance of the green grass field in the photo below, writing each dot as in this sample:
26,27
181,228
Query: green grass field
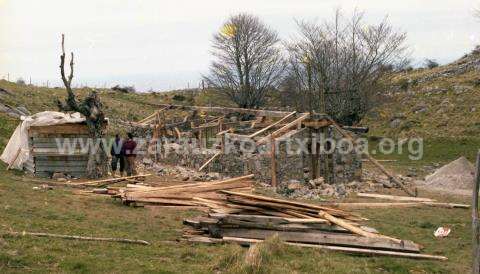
60,211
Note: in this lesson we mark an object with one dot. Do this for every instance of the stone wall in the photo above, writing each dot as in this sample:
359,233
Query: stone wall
335,167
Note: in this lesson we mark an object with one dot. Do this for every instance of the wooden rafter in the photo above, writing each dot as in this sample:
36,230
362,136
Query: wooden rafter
283,129
272,125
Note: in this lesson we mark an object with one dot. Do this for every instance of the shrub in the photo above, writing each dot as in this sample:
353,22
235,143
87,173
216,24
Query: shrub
430,63
124,89
21,82
178,97
404,84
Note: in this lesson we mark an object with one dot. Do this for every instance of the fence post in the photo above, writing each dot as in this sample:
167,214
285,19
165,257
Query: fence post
475,223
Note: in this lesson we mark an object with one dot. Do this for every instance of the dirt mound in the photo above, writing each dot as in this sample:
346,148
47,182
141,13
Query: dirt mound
458,174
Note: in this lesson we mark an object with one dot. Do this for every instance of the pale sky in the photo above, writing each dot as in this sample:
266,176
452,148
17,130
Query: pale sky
166,44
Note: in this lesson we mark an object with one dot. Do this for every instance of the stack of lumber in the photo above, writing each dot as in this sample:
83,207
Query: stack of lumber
246,218
185,195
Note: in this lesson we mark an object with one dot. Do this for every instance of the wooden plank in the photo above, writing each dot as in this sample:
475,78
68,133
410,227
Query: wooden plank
57,152
273,159
74,237
274,223
46,163
352,228
283,129
61,158
475,222
272,125
352,250
183,186
198,189
79,128
318,237
54,169
268,219
111,180
165,201
210,160
394,198
288,202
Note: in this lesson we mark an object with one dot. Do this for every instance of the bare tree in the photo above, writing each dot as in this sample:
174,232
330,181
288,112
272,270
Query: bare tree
338,64
248,61
91,108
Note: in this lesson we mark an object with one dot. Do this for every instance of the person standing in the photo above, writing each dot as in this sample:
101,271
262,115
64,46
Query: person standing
117,156
128,149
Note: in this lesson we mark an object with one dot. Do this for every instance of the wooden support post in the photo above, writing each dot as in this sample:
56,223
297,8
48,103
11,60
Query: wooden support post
475,223
274,161
314,157
220,125
392,177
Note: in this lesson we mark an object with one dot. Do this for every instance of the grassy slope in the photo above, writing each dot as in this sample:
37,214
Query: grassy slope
129,107
450,126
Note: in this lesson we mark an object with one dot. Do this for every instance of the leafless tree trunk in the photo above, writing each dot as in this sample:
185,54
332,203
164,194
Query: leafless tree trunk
345,59
248,61
91,108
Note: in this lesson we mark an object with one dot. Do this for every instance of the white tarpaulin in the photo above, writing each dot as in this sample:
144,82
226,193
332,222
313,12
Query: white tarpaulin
16,153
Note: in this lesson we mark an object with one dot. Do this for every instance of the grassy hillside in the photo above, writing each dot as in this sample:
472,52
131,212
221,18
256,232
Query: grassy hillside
118,105
432,103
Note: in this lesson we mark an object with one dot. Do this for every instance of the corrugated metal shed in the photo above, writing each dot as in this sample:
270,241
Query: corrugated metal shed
58,148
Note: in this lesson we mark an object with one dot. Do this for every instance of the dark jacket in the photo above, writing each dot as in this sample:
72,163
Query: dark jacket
128,148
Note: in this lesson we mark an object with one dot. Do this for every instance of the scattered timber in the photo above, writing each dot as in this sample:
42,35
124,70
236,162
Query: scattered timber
351,250
73,237
178,195
397,205
105,182
394,198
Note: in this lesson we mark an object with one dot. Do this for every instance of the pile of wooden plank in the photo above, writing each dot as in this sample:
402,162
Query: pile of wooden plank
180,195
247,218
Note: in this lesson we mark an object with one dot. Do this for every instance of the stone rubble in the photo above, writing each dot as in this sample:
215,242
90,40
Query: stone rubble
371,181
178,172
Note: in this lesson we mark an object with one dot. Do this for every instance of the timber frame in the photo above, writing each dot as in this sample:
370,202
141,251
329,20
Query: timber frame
262,127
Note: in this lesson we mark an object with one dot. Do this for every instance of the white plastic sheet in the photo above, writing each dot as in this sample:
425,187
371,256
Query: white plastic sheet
17,152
